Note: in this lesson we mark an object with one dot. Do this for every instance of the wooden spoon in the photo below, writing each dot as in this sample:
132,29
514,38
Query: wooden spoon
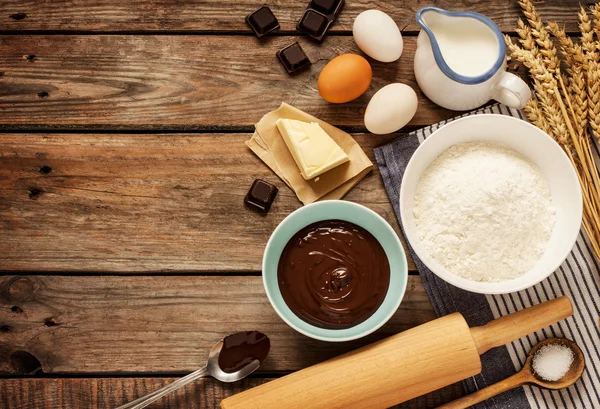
527,376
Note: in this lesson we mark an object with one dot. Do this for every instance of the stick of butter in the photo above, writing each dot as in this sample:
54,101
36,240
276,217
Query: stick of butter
313,150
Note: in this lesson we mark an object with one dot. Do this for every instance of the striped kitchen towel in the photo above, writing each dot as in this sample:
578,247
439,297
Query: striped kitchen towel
578,278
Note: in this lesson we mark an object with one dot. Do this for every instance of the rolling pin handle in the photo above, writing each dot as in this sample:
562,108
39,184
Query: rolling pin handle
518,379
506,329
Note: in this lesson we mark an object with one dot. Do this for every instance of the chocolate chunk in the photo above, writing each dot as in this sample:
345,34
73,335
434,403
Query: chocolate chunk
325,6
293,58
262,21
260,196
313,22
318,17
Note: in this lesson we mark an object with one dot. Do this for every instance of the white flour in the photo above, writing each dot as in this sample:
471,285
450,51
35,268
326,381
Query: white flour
484,212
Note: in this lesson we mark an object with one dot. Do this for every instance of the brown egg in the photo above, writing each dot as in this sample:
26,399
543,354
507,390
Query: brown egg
345,78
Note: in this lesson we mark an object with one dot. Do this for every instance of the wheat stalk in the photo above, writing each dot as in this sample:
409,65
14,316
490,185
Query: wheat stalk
593,89
595,10
580,97
526,38
587,34
592,69
567,98
545,86
592,64
572,52
547,48
536,116
576,66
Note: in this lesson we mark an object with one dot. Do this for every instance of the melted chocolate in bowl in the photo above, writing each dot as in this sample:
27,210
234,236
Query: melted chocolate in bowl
242,348
333,274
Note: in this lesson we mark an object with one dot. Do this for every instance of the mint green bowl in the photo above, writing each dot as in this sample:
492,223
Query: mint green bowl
354,213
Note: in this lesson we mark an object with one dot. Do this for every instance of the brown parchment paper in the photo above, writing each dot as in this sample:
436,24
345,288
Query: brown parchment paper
270,147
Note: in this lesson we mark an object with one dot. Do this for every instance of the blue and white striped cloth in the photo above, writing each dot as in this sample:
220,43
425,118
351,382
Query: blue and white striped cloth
578,278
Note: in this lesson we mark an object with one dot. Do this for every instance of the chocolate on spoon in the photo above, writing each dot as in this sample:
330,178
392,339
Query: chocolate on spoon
231,359
241,349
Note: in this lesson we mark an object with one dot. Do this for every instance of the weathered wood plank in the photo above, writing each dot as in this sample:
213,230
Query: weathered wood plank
141,324
143,203
168,15
177,82
108,393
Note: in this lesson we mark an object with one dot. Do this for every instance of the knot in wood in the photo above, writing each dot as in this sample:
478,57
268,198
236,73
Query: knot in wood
24,362
21,289
18,16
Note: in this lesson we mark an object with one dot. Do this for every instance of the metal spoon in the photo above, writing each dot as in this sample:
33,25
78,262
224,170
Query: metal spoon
527,376
212,368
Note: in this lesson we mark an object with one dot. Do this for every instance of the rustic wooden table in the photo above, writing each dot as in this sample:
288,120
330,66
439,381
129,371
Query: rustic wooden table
125,247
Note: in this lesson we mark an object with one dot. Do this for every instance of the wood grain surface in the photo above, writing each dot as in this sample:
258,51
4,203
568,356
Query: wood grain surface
215,15
144,324
108,393
143,203
152,254
176,82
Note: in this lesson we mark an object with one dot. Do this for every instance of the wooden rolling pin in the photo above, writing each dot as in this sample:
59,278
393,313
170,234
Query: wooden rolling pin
401,367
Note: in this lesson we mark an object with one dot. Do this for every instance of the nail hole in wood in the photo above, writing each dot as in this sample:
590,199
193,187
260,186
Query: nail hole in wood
29,57
18,16
35,193
5,328
44,170
16,309
43,94
50,322
24,362
1,73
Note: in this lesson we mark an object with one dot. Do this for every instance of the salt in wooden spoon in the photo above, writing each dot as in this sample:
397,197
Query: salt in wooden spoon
527,376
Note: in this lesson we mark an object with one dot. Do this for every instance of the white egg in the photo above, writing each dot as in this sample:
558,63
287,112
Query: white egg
377,35
392,107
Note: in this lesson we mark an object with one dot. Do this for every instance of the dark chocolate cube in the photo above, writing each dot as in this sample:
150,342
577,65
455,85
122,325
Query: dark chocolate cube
260,196
293,58
313,23
262,21
324,6
317,18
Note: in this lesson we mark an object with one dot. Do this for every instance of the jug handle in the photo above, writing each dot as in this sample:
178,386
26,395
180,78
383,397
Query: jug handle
512,91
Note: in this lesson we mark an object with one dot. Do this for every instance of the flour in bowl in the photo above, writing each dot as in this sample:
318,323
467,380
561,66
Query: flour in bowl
484,211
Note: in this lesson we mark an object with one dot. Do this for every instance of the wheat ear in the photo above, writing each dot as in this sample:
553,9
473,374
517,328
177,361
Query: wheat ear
569,50
577,87
526,38
593,82
587,34
545,44
595,10
545,86
547,50
536,116
566,100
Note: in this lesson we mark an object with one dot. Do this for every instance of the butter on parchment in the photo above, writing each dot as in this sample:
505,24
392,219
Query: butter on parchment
312,149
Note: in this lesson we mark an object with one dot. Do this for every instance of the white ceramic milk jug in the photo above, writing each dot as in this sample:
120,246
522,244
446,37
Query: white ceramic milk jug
460,63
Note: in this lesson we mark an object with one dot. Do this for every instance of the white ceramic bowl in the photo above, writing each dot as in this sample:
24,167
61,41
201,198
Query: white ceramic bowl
532,143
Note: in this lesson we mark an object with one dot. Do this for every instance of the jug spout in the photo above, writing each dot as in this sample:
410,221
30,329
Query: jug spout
430,15
468,47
